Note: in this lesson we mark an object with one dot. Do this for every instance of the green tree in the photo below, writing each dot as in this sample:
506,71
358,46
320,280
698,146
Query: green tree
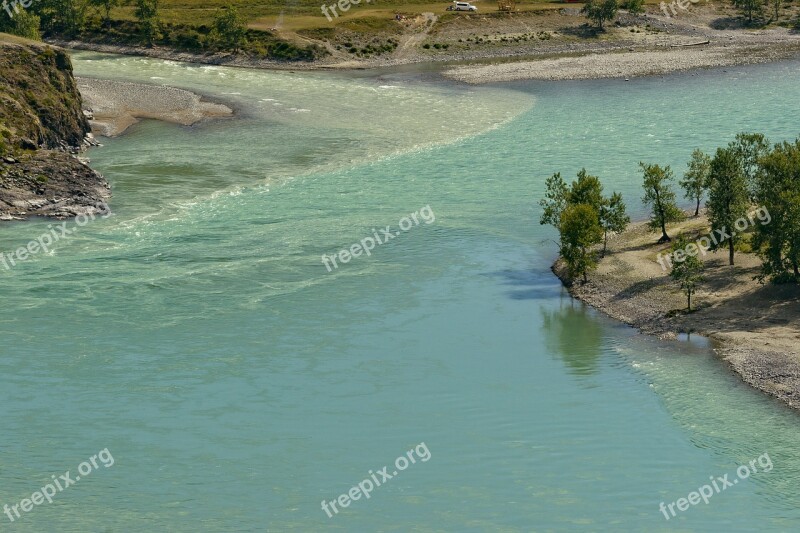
686,270
727,198
777,5
106,6
554,201
749,149
634,7
580,230
66,17
587,189
749,8
600,11
147,13
229,28
660,197
613,217
25,24
777,238
695,179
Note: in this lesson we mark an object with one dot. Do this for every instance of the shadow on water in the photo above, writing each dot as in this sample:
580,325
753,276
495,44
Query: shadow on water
574,335
580,351
529,284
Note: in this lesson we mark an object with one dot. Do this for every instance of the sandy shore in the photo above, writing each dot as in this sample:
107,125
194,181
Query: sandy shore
117,105
627,64
756,328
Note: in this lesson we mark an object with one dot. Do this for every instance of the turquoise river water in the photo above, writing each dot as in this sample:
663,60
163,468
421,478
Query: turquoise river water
197,335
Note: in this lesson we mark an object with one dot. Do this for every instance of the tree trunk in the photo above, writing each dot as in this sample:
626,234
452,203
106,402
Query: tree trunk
661,217
689,300
664,236
730,250
697,209
585,279
605,243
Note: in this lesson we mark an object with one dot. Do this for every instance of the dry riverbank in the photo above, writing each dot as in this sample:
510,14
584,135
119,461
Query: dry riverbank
627,64
756,328
117,105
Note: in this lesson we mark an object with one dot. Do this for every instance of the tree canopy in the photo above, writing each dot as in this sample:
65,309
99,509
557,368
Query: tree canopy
695,179
660,197
599,11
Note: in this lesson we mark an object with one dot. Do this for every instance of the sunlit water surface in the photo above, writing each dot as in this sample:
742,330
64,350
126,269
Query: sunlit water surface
198,336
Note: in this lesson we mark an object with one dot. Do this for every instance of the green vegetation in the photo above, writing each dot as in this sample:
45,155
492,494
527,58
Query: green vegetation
778,193
687,270
599,11
229,29
149,23
749,149
613,217
583,218
580,230
749,8
147,15
364,37
634,6
746,180
39,102
777,4
695,180
24,24
554,201
727,195
106,6
660,197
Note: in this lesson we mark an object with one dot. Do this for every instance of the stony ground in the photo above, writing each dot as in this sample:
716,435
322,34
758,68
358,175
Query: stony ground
116,105
49,183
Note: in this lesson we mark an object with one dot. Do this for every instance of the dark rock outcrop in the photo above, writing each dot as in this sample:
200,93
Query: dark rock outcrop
42,129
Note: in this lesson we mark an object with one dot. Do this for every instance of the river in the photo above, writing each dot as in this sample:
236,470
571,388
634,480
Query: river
239,382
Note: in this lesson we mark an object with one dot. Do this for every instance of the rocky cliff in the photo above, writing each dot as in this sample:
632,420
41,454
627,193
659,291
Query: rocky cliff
42,129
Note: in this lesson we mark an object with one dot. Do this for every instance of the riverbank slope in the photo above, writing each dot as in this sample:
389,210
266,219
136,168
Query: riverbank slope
756,328
42,129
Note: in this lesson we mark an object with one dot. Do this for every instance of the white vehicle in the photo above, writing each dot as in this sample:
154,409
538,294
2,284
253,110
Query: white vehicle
462,6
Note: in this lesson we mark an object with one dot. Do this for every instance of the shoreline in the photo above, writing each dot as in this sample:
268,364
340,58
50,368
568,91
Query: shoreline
753,328
636,45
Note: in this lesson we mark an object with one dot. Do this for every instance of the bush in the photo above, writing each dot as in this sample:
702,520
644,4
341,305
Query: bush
634,6
229,29
189,40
